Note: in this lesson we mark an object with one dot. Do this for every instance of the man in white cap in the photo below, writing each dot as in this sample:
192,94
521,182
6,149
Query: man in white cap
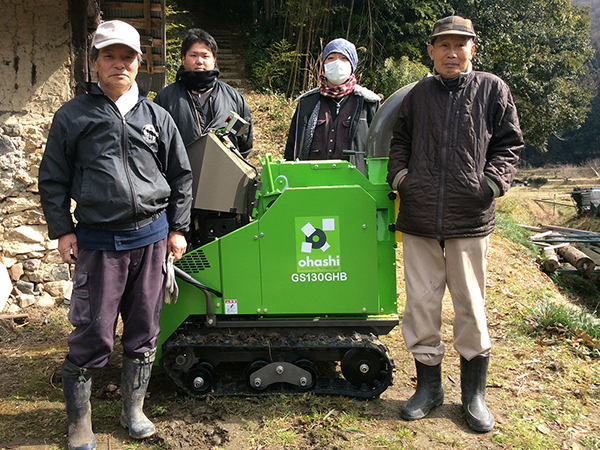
454,149
121,158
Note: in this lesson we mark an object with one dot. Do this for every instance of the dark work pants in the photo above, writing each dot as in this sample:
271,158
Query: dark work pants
107,283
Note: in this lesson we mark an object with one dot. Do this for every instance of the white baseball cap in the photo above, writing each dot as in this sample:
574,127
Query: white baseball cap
116,32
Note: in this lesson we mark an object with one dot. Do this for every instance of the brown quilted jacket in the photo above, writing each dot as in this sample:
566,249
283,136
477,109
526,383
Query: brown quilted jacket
457,150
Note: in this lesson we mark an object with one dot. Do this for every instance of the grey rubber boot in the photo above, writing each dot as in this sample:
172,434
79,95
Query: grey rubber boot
429,392
134,382
77,387
473,378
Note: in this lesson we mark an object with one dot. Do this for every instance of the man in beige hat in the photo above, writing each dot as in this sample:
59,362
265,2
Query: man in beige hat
121,158
454,149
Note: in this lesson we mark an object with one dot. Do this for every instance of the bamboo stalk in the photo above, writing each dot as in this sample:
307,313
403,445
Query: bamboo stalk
350,19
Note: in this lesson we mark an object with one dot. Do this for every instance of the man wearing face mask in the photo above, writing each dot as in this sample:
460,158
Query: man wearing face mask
332,121
197,100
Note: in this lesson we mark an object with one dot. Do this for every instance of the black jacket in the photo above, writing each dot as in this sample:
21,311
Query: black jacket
122,172
223,99
457,150
366,107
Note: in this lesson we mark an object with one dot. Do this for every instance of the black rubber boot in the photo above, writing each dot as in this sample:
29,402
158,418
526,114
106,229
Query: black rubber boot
134,382
77,387
473,378
429,392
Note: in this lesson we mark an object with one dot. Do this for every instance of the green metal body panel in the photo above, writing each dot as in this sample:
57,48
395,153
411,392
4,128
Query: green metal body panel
319,247
241,271
340,277
386,254
204,264
377,171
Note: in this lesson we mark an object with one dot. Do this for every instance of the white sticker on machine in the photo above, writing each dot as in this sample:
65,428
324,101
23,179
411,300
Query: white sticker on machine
231,307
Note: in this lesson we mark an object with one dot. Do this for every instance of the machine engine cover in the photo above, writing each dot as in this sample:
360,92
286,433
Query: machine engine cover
221,176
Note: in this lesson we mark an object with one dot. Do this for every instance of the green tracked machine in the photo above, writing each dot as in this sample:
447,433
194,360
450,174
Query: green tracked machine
295,299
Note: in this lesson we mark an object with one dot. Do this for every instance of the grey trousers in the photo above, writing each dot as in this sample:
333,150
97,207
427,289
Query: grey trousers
428,268
106,283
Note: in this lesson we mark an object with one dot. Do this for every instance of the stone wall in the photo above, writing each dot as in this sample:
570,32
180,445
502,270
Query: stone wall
35,74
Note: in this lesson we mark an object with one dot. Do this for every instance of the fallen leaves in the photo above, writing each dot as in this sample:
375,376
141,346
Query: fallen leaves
544,429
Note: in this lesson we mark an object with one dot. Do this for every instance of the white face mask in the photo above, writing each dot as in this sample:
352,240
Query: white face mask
338,71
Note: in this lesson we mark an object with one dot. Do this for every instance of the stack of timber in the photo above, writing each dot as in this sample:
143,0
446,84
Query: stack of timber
579,248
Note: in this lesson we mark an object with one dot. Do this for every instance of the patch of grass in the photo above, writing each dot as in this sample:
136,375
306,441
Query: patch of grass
106,410
247,425
522,205
143,445
158,410
445,440
34,383
591,442
387,442
572,326
584,223
507,227
522,434
277,432
319,420
22,418
523,428
322,424
57,323
137,445
404,432
232,406
585,291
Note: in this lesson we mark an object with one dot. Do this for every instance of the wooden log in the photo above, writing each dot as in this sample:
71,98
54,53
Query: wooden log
551,260
584,264
140,23
592,253
131,6
14,316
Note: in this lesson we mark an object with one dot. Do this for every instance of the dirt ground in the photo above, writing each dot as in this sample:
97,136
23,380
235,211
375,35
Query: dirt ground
542,396
199,424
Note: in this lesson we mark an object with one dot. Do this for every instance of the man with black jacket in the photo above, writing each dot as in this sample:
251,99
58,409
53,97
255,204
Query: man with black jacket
454,149
198,101
120,157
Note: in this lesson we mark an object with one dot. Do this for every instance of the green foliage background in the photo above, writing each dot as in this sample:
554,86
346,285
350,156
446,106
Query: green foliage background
541,48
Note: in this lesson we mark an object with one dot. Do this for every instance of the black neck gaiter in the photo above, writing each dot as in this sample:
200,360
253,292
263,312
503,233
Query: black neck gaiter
197,80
